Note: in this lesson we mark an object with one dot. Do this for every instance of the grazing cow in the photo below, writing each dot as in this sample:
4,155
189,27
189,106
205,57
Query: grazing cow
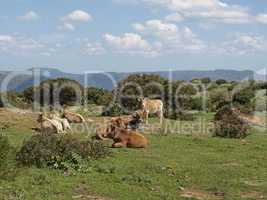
152,106
125,138
63,121
49,125
73,117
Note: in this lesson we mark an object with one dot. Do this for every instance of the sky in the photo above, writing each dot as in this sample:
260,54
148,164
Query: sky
133,35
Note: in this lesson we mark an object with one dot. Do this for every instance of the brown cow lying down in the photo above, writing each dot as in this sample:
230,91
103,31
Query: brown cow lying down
73,117
129,121
249,118
124,138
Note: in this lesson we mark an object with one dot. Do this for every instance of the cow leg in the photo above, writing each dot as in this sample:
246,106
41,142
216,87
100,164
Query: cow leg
161,117
147,114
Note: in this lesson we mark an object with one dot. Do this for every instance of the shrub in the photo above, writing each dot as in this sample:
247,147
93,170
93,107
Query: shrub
181,115
218,98
197,103
220,81
244,99
99,96
42,150
113,110
5,149
205,80
229,124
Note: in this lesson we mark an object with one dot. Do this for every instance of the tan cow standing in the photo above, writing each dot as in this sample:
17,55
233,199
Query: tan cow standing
152,106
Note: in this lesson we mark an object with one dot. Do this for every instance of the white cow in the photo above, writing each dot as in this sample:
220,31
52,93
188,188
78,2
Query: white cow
63,121
152,106
49,125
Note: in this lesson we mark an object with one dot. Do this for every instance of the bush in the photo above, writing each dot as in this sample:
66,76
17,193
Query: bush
113,110
218,98
228,124
220,81
197,103
99,96
5,149
244,99
42,150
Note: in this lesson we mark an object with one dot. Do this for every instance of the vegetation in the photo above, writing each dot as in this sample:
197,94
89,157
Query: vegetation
184,162
99,96
228,124
46,150
5,150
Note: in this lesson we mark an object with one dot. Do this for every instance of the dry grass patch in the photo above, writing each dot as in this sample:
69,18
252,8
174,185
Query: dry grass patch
252,195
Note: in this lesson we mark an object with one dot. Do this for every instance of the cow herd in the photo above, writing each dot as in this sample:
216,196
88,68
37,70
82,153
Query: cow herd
122,130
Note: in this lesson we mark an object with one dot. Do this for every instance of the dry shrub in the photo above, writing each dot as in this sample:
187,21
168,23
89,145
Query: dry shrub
229,124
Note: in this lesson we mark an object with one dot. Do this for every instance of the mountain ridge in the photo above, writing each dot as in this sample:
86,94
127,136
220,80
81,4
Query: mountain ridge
102,80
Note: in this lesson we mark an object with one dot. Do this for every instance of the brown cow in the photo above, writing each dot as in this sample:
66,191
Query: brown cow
73,117
129,121
125,138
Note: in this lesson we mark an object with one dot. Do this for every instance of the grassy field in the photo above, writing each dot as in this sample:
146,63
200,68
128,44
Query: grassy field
190,165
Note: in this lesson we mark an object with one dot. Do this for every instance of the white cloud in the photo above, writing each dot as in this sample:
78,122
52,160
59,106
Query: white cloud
78,16
18,44
175,17
242,44
209,10
67,27
131,43
220,15
262,18
29,16
183,5
6,39
93,49
171,38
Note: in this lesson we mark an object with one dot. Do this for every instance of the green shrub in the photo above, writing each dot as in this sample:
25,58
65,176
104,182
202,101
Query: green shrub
245,99
229,124
218,98
197,103
45,150
113,110
182,115
99,96
220,81
5,149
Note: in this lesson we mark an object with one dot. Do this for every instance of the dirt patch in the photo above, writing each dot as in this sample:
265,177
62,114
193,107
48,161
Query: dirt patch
252,195
201,195
82,192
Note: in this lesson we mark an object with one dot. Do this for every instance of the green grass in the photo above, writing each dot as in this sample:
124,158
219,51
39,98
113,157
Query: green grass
172,162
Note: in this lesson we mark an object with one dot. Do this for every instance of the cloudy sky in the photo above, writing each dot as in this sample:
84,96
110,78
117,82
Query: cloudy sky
133,35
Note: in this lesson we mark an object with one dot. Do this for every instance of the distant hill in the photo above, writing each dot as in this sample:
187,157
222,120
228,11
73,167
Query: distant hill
22,81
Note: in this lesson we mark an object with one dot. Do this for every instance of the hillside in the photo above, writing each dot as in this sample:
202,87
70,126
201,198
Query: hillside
23,81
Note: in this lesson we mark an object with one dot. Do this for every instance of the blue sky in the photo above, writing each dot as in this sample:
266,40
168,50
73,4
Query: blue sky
133,35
